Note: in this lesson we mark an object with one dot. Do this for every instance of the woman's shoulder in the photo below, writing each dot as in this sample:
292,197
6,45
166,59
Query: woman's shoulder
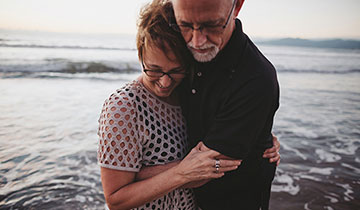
119,144
130,89
127,93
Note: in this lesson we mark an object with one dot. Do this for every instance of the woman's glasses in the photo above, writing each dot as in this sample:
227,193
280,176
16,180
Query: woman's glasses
173,74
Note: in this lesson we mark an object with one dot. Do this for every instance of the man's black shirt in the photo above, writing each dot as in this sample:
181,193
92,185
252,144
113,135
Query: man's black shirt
230,104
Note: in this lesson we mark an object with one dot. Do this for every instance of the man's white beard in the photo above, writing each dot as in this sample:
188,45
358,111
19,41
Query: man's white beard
204,57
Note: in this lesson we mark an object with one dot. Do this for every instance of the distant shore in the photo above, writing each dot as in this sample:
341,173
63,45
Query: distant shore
328,43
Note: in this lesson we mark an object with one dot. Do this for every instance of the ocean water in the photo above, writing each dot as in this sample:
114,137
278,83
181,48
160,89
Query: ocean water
52,87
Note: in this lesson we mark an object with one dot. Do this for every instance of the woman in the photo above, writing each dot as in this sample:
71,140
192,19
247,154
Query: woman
142,125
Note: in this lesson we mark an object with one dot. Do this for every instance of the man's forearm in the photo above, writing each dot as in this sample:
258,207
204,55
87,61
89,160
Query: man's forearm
150,171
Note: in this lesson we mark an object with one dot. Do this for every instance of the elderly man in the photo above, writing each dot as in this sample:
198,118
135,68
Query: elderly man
229,103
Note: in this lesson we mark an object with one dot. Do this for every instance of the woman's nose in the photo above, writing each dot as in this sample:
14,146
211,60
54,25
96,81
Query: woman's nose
165,81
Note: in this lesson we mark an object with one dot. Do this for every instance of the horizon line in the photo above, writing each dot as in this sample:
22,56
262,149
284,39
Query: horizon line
134,34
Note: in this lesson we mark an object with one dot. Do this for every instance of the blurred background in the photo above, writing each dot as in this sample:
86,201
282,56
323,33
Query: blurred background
59,61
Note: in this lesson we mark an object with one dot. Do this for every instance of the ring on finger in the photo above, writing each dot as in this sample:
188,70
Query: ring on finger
217,163
217,166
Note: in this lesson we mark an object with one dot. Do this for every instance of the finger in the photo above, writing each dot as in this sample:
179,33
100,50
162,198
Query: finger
274,159
270,150
202,146
211,175
216,175
277,146
199,145
226,169
269,153
278,162
276,143
274,149
229,163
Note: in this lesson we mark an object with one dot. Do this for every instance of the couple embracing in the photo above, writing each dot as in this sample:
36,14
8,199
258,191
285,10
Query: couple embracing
193,131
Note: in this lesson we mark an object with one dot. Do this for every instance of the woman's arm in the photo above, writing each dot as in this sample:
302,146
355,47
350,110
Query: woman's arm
147,172
123,192
150,171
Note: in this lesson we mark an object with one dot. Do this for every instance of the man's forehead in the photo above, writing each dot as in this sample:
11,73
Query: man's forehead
203,2
201,11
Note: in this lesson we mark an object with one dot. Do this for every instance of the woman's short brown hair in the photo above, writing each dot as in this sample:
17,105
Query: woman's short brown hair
154,31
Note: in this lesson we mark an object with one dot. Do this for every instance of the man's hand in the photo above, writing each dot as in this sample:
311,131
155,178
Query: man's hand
273,152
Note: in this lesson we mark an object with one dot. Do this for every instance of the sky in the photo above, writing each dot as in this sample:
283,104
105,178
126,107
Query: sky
261,18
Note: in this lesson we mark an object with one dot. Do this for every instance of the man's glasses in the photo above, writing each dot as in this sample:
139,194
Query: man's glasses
157,74
204,29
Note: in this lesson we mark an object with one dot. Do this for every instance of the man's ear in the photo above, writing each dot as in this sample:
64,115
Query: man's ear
238,6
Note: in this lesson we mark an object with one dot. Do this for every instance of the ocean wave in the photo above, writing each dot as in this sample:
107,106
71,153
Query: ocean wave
67,66
327,156
318,71
109,76
285,183
72,47
64,65
67,76
321,171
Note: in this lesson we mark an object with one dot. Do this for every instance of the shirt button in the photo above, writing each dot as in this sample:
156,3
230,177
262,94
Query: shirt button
199,74
193,91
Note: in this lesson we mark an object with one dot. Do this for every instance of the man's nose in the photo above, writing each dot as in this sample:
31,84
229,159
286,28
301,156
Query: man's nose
165,81
198,38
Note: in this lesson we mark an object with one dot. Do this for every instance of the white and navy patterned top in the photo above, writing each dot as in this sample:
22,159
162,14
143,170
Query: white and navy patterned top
137,129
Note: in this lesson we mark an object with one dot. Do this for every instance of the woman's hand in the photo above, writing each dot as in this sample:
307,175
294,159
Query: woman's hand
200,165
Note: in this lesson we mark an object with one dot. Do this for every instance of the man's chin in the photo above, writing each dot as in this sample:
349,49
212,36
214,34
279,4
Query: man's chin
204,57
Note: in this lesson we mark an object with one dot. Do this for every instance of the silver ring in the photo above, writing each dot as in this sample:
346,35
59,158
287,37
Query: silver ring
217,170
217,163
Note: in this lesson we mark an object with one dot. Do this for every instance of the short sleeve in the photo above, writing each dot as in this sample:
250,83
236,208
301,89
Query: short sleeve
119,145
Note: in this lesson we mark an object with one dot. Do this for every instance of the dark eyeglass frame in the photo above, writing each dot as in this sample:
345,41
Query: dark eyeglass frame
163,73
177,28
